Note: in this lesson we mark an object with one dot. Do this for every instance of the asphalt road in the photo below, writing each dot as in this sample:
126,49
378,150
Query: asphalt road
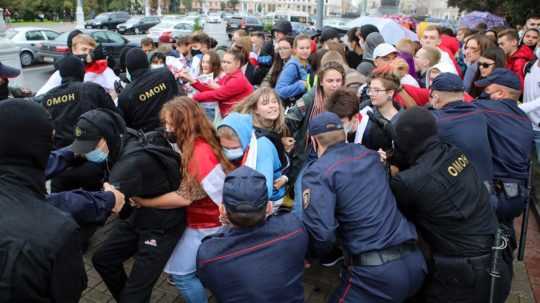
36,75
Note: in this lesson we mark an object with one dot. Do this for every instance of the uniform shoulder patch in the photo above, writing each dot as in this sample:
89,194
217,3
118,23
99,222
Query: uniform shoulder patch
306,198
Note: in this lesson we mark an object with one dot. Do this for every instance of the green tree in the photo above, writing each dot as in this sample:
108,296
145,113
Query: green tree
233,3
513,10
188,4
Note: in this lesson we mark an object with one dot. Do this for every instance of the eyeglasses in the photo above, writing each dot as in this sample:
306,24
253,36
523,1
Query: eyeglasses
375,91
485,65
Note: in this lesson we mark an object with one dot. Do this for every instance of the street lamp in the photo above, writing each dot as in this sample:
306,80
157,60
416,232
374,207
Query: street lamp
79,15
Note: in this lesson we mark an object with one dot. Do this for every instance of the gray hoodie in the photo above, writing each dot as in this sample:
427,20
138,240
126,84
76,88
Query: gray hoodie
372,41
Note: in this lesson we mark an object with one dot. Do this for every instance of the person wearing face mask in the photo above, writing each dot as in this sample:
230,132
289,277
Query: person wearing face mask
96,67
269,121
142,99
66,104
346,196
442,195
344,103
232,88
41,254
292,82
157,60
204,166
332,77
200,45
242,147
511,137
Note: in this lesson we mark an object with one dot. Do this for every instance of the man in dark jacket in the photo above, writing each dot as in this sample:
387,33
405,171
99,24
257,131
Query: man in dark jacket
140,102
65,104
442,194
246,205
43,262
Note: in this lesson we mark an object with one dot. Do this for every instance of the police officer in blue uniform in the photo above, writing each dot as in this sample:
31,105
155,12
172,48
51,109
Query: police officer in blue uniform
255,259
347,198
442,194
461,124
511,137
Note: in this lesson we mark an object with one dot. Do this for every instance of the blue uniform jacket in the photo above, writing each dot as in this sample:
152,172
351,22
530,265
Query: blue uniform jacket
346,195
263,264
289,83
85,207
464,126
510,135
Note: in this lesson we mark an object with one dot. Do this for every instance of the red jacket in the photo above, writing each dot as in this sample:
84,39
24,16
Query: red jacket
450,45
517,61
233,88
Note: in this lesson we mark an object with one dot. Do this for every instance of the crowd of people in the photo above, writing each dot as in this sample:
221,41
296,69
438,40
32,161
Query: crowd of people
235,169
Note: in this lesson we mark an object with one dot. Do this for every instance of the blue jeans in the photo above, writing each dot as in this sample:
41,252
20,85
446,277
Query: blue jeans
190,288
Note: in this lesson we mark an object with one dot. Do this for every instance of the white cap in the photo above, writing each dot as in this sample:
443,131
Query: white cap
384,49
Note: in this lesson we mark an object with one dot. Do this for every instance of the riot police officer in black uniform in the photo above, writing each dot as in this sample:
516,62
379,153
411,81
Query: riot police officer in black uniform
66,104
141,100
443,195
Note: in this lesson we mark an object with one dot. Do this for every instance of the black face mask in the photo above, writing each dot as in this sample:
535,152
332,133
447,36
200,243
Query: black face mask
350,137
4,91
170,136
195,52
83,58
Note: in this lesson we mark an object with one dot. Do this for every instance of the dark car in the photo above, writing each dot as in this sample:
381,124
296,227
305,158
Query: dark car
249,24
112,43
108,20
138,24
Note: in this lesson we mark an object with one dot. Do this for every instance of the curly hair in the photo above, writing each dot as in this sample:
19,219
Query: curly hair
190,122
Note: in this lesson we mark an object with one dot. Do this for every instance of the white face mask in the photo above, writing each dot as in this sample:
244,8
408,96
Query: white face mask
128,75
154,66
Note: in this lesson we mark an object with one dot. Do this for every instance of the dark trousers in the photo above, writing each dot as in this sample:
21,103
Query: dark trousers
460,280
87,176
394,281
151,250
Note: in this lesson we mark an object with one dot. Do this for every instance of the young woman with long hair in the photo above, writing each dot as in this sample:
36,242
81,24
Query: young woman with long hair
203,173
283,54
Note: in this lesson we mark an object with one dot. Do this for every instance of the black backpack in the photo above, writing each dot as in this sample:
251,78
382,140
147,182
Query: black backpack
276,140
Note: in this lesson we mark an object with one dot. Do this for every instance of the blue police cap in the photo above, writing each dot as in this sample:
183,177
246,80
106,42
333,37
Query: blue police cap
501,76
323,123
245,190
448,82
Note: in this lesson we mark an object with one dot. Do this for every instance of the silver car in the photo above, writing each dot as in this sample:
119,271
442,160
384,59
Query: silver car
29,40
167,31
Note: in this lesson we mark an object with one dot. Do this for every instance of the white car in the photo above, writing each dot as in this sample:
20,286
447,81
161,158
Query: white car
167,31
29,40
213,18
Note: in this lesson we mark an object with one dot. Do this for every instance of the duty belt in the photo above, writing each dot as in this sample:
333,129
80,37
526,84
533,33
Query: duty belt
380,257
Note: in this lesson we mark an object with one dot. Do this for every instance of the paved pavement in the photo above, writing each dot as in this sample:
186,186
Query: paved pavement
318,281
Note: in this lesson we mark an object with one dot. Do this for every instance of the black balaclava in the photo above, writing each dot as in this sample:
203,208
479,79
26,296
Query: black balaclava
4,90
71,68
136,61
415,130
26,133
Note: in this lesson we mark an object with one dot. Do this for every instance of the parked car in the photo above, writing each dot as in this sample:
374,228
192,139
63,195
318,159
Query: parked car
111,42
138,24
108,20
29,40
168,31
214,18
249,24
